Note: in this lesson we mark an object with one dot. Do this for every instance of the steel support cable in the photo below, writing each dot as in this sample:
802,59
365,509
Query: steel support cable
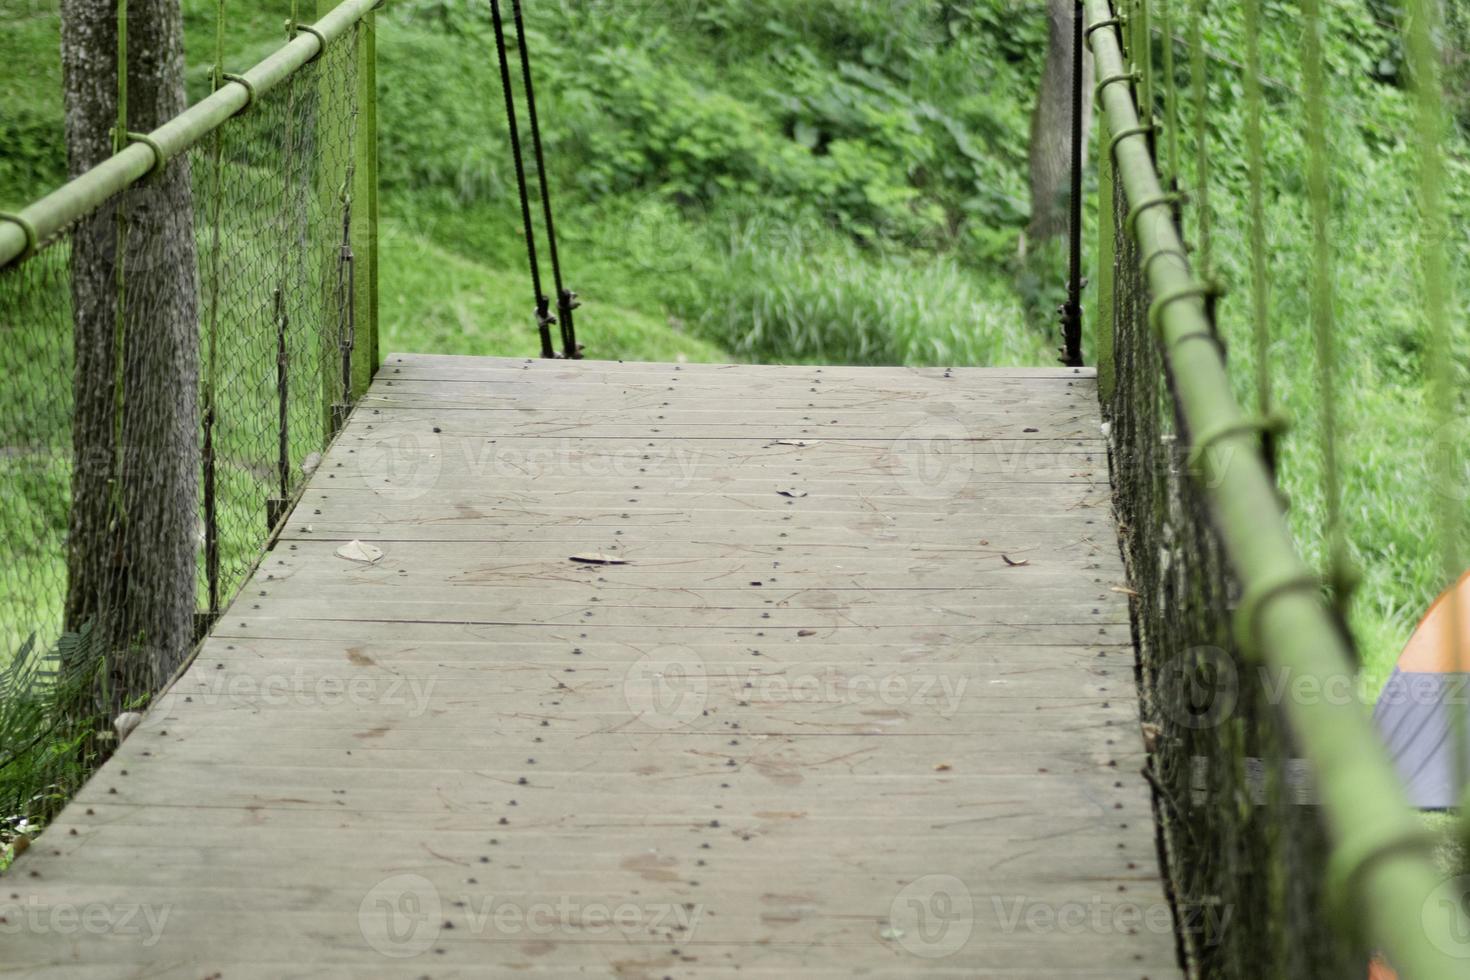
544,319
566,300
1072,310
1384,867
1255,178
1314,84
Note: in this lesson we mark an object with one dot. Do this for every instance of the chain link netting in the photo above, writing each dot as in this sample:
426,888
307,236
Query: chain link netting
1243,835
173,363
1244,844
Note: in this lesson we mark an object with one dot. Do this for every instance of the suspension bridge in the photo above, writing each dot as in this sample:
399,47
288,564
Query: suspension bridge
562,666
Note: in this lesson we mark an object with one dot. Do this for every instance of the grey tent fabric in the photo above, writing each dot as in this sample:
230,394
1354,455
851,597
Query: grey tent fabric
1415,714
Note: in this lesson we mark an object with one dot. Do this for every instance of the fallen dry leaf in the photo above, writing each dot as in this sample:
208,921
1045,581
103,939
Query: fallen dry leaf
1013,562
1124,590
942,767
793,492
806,632
360,551
794,442
1150,736
598,558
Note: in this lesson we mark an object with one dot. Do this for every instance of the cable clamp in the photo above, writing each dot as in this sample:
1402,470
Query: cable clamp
33,240
1272,422
1259,595
159,157
1196,290
308,29
1169,197
1131,77
1110,22
245,83
1183,258
1142,129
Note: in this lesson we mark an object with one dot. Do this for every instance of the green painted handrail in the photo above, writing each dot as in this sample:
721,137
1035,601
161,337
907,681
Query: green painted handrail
1382,865
77,197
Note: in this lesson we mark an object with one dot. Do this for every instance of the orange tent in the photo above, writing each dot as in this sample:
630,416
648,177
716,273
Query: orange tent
1420,711
1434,647
1430,681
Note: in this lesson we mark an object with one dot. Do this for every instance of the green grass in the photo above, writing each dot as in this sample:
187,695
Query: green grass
439,301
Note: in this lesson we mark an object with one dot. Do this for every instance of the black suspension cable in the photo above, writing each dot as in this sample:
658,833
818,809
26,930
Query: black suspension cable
566,300
544,319
1072,311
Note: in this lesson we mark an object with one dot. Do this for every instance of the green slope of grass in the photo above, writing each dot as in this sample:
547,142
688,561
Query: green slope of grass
439,301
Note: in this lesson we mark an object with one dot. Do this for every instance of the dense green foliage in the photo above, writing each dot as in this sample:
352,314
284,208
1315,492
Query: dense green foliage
761,175
845,180
1386,435
50,734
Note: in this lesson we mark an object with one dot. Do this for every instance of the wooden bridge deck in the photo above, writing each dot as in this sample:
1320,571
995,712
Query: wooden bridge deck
860,702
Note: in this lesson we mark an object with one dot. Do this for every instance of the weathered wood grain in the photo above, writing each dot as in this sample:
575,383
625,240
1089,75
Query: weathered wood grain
885,729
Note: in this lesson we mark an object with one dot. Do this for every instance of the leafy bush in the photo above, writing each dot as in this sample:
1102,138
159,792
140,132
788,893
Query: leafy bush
49,729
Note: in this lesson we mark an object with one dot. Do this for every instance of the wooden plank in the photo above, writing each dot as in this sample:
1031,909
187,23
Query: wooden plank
456,563
371,719
895,719
512,647
199,742
245,623
894,424
774,503
427,395
997,534
373,508
659,964
441,366
1009,664
469,462
596,425
675,612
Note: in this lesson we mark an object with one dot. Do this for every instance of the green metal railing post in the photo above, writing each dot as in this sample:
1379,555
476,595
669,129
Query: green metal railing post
367,197
1382,867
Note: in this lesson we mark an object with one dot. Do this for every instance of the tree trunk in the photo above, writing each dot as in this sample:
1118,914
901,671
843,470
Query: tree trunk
135,484
1051,127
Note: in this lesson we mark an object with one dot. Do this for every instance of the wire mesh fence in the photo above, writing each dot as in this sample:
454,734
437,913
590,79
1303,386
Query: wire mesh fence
1265,864
174,362
1245,846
